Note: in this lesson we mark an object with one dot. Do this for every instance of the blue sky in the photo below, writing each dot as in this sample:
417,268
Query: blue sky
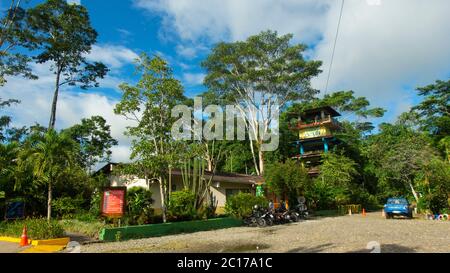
385,49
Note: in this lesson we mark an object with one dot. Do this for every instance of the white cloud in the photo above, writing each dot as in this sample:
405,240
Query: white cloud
114,56
382,47
236,19
78,2
193,78
187,52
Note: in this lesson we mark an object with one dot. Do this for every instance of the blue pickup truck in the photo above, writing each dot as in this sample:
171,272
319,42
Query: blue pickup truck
397,207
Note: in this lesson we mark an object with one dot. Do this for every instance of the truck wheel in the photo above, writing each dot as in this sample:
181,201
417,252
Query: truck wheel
388,216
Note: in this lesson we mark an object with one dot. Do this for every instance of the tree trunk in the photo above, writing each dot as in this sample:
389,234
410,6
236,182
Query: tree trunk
52,121
261,161
414,192
163,199
254,157
49,201
210,164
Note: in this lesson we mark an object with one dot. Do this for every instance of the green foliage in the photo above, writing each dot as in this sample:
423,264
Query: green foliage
95,203
335,184
93,136
149,105
435,186
264,66
16,38
67,206
65,36
49,157
195,181
38,229
287,178
139,205
346,103
337,170
182,205
237,64
85,225
398,154
241,204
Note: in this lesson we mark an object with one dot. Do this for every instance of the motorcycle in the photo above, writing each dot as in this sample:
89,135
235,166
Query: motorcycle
301,210
282,216
268,218
257,218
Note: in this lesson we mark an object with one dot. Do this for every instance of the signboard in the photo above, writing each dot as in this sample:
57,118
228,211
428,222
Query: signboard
314,132
15,210
113,202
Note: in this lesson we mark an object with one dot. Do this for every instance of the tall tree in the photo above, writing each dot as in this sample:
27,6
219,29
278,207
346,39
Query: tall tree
256,75
48,157
95,141
149,104
399,154
15,34
65,35
434,113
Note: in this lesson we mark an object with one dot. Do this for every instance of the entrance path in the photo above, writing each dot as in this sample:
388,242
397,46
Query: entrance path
7,247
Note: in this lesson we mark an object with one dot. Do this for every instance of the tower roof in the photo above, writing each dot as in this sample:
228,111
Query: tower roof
327,109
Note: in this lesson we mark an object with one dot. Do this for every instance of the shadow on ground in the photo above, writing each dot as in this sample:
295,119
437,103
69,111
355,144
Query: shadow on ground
314,249
388,248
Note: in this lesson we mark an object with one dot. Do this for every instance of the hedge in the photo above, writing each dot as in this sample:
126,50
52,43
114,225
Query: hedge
155,230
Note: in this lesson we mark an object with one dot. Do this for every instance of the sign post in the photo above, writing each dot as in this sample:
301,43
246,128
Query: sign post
113,202
15,209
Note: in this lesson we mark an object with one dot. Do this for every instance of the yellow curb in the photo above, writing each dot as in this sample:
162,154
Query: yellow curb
44,249
12,239
58,241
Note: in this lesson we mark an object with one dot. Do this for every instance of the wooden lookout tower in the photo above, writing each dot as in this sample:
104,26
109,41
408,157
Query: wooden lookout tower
316,135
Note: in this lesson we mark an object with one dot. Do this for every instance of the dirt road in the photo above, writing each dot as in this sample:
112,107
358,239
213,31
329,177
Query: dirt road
353,233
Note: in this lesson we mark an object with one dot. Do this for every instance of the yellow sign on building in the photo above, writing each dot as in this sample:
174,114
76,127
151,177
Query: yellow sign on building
314,132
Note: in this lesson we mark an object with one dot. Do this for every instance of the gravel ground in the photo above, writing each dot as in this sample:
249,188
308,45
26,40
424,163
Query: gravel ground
332,234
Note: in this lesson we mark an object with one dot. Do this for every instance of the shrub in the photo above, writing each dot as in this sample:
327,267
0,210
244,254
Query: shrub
67,206
181,205
88,228
38,229
96,200
241,204
139,205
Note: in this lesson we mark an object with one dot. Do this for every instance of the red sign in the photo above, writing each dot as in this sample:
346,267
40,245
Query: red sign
113,202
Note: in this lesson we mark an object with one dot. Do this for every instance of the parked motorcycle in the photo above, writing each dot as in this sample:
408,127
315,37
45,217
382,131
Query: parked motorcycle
268,217
301,210
257,218
282,216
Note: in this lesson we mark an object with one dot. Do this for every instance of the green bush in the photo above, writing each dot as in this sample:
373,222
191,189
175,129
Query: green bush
88,228
38,229
66,207
181,205
139,206
241,204
95,204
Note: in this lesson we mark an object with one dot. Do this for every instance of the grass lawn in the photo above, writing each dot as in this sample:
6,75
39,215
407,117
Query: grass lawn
88,228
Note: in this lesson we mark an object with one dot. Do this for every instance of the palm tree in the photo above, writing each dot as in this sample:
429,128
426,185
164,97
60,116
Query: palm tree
48,158
8,163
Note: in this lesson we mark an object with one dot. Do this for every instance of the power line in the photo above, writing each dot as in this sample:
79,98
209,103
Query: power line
334,47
